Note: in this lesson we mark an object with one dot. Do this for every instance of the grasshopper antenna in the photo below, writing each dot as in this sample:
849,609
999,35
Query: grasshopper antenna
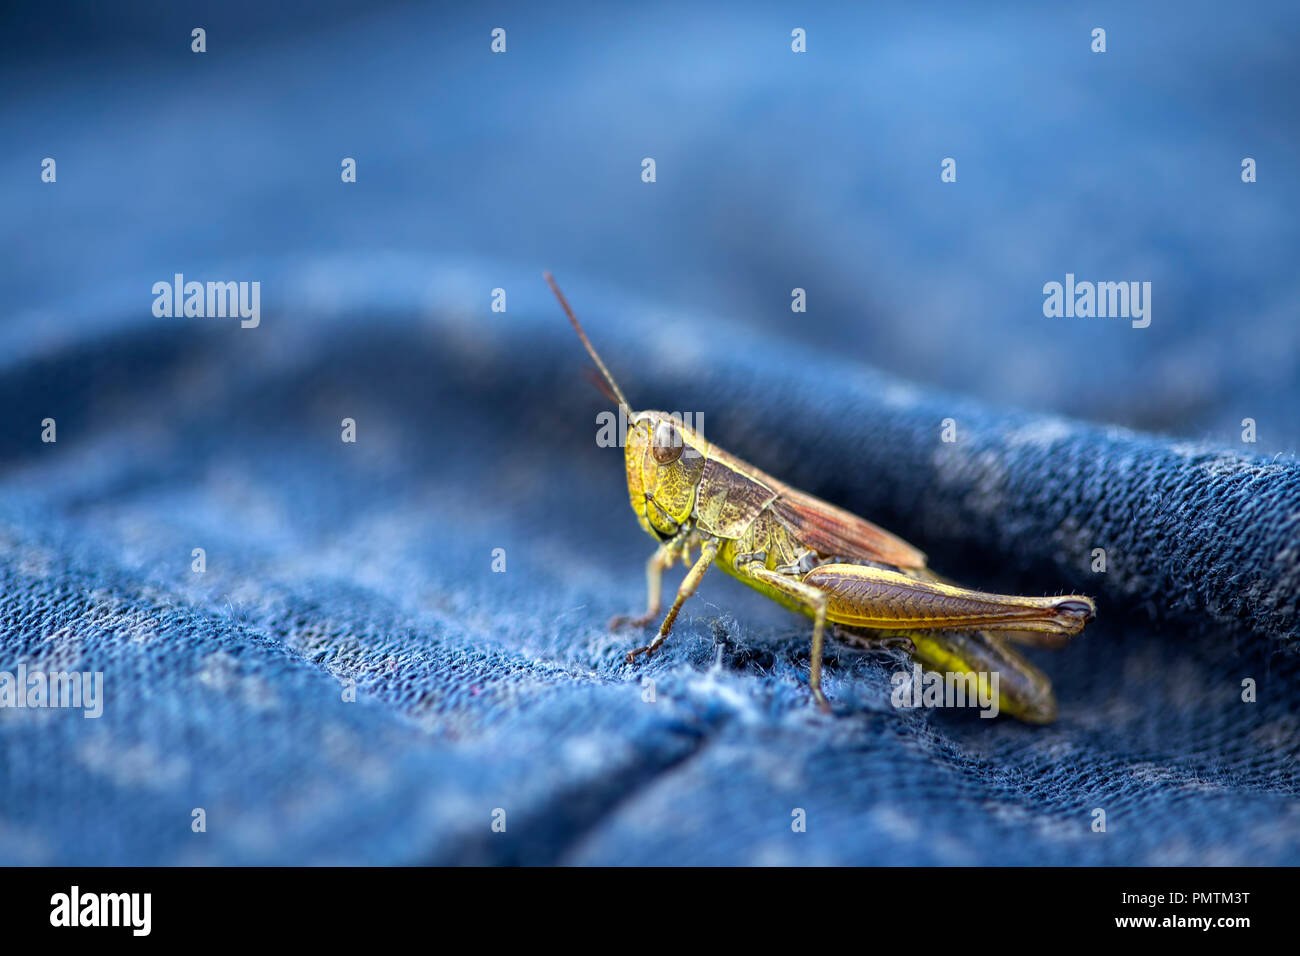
577,327
593,376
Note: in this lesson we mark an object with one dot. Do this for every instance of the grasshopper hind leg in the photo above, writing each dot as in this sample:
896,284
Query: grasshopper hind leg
1024,691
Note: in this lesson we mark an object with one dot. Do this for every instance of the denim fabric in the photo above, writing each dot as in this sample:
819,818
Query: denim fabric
477,691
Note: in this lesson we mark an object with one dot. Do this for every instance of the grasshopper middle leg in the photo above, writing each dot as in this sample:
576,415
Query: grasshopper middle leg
815,602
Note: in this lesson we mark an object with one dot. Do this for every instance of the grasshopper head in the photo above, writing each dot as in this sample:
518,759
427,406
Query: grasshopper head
664,457
664,460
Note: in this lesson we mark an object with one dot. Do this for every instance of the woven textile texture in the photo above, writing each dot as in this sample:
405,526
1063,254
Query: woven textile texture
482,695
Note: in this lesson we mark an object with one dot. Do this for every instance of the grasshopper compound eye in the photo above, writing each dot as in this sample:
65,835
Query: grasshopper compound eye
668,444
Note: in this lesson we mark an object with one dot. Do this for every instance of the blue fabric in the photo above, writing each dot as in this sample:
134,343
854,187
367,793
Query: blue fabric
372,562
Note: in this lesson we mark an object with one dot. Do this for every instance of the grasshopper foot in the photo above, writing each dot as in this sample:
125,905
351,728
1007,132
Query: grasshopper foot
868,640
647,651
897,644
628,621
823,704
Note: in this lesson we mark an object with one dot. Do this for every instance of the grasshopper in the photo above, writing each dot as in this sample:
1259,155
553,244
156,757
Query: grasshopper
873,588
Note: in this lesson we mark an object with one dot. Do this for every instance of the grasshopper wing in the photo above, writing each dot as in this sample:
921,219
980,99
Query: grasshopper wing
832,531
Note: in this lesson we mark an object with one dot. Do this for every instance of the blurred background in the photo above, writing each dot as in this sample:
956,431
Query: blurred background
775,170
371,563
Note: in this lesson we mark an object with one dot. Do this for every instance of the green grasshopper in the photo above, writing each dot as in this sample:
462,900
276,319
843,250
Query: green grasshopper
872,587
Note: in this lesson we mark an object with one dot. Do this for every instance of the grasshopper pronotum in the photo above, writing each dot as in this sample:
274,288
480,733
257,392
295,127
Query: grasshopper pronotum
815,558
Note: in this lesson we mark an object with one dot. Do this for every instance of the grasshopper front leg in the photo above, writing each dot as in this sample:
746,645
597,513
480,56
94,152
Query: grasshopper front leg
708,551
660,561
